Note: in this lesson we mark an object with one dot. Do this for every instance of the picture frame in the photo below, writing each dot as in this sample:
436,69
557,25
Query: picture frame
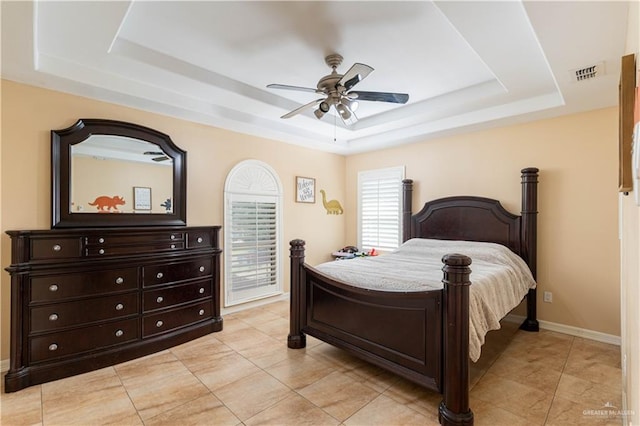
141,198
627,90
305,190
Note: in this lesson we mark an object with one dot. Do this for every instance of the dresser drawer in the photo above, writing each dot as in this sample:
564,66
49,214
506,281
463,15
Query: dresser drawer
111,250
66,286
176,318
60,315
199,239
176,295
172,272
56,248
73,342
141,239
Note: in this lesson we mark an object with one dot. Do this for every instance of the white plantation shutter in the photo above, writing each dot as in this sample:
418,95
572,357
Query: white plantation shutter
253,245
380,208
252,233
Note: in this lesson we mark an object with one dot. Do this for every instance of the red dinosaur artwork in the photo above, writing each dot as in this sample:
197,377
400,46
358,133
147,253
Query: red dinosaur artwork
108,202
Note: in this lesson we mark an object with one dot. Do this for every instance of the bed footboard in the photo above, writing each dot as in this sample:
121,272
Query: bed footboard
423,337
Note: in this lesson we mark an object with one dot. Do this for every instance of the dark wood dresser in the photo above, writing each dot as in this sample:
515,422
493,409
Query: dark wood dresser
83,299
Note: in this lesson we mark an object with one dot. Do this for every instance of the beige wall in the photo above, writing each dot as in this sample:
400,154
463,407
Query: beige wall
94,177
630,266
578,253
30,114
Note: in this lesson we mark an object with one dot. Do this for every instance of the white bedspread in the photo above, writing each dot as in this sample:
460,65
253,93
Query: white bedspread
499,278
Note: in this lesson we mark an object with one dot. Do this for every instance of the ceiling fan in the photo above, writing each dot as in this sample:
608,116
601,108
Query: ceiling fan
337,90
162,156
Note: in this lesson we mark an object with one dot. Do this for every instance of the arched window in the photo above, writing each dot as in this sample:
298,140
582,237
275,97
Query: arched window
253,232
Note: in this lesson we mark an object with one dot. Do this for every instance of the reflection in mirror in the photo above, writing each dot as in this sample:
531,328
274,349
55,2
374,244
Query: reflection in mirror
117,174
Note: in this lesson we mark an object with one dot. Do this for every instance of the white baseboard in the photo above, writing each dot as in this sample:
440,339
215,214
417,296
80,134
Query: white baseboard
253,304
4,366
570,330
580,332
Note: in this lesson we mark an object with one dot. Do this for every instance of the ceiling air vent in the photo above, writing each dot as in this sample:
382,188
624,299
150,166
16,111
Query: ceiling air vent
587,73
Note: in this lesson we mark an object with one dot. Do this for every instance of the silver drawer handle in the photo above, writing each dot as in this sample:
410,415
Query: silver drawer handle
119,307
201,291
201,312
57,247
160,299
173,246
159,275
199,239
173,237
201,269
53,287
53,347
101,251
159,324
119,333
119,280
101,240
53,317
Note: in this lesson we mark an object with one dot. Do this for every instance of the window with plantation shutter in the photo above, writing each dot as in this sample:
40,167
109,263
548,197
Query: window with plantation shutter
380,208
253,198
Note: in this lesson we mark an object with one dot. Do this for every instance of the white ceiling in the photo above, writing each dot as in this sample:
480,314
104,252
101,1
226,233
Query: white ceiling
465,65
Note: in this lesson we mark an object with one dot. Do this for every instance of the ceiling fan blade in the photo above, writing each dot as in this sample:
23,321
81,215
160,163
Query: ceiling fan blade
302,108
298,88
396,98
354,75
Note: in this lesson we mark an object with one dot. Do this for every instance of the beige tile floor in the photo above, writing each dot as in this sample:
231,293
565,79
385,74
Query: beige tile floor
245,375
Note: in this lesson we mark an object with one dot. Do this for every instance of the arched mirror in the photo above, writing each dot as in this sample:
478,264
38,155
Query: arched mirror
113,173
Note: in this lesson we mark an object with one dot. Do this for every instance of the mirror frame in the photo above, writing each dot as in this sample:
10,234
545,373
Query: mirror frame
61,143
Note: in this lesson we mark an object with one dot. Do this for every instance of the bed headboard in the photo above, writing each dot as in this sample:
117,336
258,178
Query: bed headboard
473,218
469,219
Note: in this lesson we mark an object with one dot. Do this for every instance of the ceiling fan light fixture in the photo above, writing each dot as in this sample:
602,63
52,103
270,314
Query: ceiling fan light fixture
324,107
352,105
318,112
344,111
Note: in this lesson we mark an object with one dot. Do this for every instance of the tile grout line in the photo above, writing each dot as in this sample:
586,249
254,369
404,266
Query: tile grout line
257,366
290,388
546,417
115,370
210,391
42,405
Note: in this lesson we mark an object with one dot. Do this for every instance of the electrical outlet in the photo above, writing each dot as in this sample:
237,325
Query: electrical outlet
548,297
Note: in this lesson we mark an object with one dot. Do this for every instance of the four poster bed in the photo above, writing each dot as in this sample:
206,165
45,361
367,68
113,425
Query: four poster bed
419,333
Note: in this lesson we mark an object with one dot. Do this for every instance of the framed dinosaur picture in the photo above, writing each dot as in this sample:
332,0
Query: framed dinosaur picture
305,190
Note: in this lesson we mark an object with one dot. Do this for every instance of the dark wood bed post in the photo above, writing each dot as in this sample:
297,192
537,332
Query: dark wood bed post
529,237
454,408
296,338
407,199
